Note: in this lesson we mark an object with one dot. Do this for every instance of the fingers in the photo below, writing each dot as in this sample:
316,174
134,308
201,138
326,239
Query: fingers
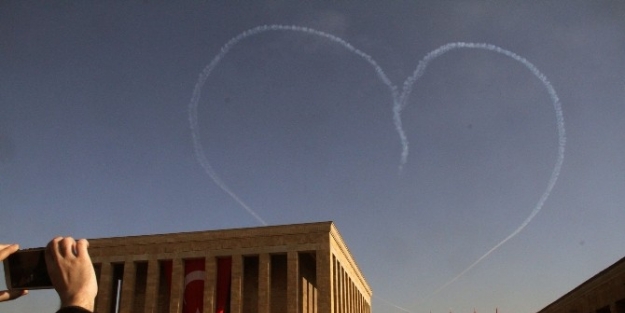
7,295
71,272
66,246
81,248
62,246
6,250
5,245
53,245
50,253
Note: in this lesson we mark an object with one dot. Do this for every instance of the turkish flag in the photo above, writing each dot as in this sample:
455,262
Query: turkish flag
193,286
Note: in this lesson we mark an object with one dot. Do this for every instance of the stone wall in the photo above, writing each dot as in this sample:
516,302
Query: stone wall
603,293
290,268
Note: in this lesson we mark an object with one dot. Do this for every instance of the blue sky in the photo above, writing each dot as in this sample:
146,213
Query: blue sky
95,138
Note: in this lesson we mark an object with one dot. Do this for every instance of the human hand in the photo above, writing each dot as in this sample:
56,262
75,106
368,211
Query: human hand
71,272
6,295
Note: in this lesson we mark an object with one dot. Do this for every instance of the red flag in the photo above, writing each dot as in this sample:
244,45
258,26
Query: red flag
193,286
224,269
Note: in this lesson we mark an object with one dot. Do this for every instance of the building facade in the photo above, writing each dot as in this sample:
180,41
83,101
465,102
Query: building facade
301,268
603,293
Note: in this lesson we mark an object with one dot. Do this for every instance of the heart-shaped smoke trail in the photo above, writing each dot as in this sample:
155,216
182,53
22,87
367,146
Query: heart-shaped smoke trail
400,101
197,144
555,173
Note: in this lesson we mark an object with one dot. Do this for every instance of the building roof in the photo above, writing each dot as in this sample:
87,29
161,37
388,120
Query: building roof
586,283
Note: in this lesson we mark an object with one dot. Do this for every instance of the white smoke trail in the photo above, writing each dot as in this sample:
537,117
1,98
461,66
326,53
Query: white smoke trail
399,103
555,173
197,91
393,305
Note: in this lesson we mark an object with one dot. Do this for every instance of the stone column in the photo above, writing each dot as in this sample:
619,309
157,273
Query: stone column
354,298
236,287
177,281
128,287
324,280
292,280
362,304
343,291
304,298
350,294
264,283
339,278
210,281
103,300
335,285
151,288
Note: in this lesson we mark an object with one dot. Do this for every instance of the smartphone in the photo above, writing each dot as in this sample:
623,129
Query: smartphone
26,269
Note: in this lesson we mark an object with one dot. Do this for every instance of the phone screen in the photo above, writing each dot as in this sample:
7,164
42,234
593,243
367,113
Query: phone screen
26,269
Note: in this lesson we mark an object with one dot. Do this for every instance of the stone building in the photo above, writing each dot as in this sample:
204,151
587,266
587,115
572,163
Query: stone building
301,268
603,293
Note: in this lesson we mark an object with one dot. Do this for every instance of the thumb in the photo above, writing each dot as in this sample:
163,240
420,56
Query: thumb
7,295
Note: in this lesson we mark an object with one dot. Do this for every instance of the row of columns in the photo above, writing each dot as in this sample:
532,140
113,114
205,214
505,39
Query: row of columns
347,297
151,284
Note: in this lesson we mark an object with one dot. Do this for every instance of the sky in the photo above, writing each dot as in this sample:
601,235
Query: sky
298,123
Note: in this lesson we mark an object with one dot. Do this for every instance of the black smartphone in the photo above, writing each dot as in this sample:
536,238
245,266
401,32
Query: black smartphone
26,269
